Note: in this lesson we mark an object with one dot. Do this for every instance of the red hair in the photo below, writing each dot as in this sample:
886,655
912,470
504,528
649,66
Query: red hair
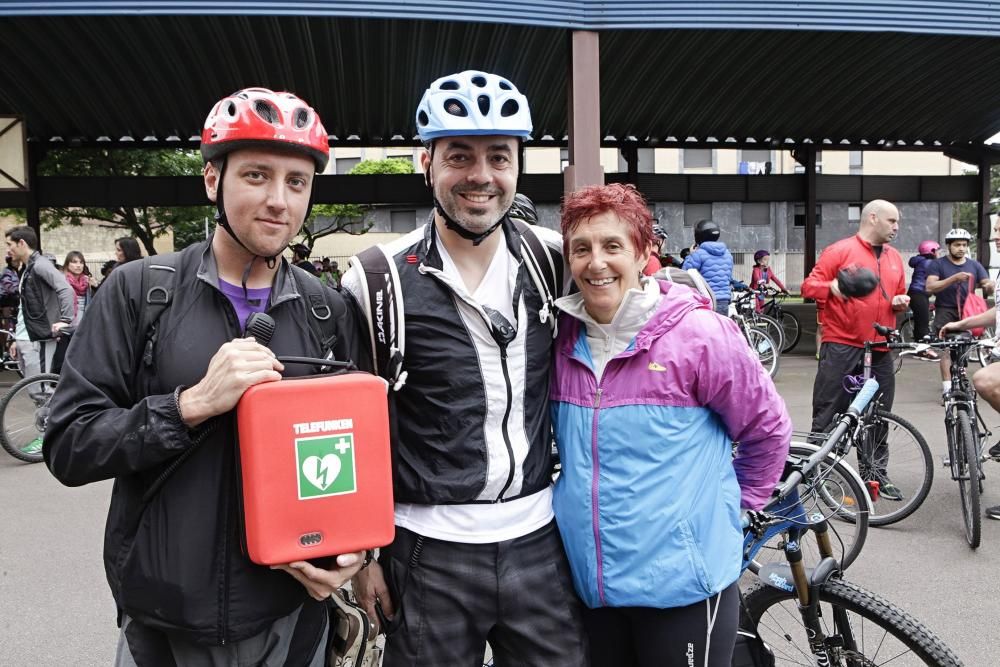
621,199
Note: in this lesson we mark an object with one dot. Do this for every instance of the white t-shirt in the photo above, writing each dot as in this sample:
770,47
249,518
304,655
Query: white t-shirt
481,523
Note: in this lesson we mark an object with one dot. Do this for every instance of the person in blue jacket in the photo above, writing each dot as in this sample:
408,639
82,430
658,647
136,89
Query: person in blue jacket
712,259
650,389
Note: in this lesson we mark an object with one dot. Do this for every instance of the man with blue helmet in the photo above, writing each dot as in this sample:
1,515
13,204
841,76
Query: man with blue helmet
477,557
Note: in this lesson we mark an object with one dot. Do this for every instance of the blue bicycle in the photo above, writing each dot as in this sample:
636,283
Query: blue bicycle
795,615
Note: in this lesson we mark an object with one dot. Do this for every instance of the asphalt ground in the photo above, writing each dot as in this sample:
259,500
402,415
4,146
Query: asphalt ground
55,607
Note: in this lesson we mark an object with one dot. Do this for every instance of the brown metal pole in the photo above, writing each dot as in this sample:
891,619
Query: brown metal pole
584,110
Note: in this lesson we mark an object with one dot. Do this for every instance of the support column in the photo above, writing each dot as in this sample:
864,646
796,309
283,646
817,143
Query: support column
983,227
630,154
32,211
584,111
810,249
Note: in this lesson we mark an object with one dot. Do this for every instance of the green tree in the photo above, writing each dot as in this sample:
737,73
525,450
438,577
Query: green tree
965,213
144,223
351,218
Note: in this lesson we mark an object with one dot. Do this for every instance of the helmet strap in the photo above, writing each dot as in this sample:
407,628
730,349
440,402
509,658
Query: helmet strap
222,221
451,223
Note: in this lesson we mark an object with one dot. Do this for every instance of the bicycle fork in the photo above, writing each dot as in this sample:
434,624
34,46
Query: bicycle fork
807,591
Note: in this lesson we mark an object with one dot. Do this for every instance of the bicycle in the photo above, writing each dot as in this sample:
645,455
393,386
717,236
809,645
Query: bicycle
789,322
746,305
24,410
885,436
764,347
7,361
814,616
965,428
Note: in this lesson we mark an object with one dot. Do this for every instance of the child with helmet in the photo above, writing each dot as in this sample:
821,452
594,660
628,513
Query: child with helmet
762,274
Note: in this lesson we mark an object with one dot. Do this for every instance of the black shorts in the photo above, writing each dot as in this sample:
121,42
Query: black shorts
943,316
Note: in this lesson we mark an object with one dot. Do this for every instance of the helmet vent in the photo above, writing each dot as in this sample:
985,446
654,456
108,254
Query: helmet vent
505,85
479,81
266,111
455,107
231,110
301,118
509,108
449,85
422,118
484,104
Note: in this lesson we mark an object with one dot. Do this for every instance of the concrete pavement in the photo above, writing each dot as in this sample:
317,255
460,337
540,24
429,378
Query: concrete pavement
55,607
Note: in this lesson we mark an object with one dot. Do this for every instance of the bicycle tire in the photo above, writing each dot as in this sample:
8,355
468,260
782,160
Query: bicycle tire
886,633
832,489
764,347
968,480
21,419
771,327
792,329
909,465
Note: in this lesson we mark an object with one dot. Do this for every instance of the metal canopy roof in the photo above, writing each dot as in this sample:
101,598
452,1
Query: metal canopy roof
85,78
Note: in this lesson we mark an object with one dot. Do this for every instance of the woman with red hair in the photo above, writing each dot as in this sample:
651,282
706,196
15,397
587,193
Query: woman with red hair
650,389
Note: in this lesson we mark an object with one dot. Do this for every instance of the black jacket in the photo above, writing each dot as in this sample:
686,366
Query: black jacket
472,421
175,564
46,297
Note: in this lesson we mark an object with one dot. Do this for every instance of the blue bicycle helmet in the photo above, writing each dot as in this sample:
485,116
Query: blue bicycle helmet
470,103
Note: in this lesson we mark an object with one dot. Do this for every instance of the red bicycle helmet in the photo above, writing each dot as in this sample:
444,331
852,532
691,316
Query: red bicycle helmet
258,117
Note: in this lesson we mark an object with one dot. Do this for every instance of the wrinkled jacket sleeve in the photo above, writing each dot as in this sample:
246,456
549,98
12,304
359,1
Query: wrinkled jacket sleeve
734,385
97,429
55,279
817,283
693,261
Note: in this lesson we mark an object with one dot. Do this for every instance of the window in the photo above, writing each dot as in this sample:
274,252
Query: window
800,215
756,214
345,164
854,212
755,162
563,159
856,159
695,212
696,158
401,222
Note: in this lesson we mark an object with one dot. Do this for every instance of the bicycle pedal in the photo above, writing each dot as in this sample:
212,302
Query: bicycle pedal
945,461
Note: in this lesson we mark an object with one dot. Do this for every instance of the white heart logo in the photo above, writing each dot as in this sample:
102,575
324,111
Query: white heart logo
321,472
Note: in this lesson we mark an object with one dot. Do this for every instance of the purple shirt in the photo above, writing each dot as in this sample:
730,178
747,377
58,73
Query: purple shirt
255,300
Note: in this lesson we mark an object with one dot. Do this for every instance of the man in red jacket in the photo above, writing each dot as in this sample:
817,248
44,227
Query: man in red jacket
848,316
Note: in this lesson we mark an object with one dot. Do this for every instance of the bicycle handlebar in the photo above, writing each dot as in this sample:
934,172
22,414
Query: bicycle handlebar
860,402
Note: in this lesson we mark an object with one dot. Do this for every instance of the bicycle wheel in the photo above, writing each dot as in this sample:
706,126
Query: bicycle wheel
891,451
771,327
833,490
906,329
859,627
793,330
968,478
24,411
765,348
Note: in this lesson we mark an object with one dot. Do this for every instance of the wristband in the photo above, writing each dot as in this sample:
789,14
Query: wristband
177,401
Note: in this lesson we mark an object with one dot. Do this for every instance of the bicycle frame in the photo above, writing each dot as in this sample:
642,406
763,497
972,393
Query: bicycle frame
787,515
962,397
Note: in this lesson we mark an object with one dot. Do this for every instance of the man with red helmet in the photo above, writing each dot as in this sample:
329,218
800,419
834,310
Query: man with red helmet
153,408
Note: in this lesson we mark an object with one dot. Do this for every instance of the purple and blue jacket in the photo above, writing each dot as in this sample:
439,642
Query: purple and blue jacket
648,502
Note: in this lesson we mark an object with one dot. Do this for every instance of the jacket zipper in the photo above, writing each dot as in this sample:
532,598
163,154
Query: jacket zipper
594,496
504,425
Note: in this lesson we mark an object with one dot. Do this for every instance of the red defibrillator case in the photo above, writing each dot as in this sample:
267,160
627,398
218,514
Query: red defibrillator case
315,462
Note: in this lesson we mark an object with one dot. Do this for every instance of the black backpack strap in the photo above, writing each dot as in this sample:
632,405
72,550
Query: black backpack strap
545,270
158,275
382,304
322,319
